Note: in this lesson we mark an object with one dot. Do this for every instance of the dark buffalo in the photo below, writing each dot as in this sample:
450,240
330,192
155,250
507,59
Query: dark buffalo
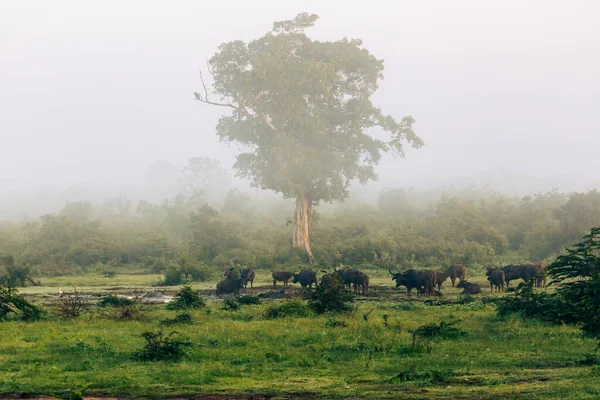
439,278
508,273
528,272
282,276
469,288
306,277
349,276
230,286
457,271
420,280
497,279
248,274
231,273
362,283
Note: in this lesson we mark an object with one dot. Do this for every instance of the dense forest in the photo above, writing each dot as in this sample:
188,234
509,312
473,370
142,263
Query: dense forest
405,228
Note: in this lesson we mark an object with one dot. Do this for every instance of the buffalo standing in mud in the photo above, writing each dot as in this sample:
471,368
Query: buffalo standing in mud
351,277
228,286
306,277
282,276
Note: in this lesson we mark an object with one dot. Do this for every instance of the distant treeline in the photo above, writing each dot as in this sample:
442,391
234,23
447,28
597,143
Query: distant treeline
405,229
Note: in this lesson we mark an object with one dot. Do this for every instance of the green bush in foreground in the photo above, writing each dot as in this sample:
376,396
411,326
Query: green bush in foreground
330,295
11,302
185,299
292,308
160,347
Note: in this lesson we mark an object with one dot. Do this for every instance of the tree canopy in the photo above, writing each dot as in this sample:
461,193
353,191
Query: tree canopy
301,111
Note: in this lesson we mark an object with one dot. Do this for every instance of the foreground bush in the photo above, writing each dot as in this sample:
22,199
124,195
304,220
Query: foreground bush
12,303
577,296
160,347
330,295
292,308
185,299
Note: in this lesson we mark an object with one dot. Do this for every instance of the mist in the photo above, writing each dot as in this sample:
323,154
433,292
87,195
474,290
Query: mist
94,95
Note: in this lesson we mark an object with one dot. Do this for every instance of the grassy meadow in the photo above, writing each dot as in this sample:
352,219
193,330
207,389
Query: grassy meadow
367,353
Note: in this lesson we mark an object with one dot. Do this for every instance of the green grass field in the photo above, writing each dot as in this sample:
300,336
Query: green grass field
243,353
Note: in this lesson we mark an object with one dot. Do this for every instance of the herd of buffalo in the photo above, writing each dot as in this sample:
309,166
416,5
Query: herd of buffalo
426,282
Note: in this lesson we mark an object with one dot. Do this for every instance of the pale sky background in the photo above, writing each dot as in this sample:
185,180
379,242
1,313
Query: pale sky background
503,92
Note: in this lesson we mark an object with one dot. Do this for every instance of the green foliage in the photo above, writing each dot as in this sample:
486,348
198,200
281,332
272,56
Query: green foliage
113,301
576,299
317,95
528,303
14,304
330,295
248,300
422,336
186,298
183,318
230,305
289,309
161,347
577,277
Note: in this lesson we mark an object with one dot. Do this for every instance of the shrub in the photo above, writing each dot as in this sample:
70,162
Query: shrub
230,305
292,308
330,295
442,330
123,308
249,300
11,302
113,301
185,299
160,347
528,303
183,318
72,305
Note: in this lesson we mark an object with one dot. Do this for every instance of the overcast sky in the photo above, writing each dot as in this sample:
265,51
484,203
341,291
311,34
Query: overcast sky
95,91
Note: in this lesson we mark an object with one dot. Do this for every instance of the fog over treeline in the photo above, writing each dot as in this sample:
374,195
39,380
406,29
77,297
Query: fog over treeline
97,99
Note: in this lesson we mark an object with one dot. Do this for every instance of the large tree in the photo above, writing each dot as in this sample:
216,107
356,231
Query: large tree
301,111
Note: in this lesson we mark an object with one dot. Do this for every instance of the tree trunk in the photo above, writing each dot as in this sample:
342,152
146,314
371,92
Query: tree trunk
300,236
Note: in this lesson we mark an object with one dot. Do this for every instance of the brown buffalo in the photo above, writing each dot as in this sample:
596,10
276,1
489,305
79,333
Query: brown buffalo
528,272
362,283
248,275
457,271
230,286
420,280
439,278
497,279
282,276
469,288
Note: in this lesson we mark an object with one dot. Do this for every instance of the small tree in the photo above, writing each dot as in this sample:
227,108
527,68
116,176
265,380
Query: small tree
186,298
301,109
330,295
11,302
72,305
577,276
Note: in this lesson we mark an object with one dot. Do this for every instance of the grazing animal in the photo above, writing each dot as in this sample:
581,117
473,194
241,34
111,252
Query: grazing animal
469,288
349,276
528,272
230,273
508,273
439,278
230,286
457,271
420,280
248,275
497,279
282,276
362,283
306,277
